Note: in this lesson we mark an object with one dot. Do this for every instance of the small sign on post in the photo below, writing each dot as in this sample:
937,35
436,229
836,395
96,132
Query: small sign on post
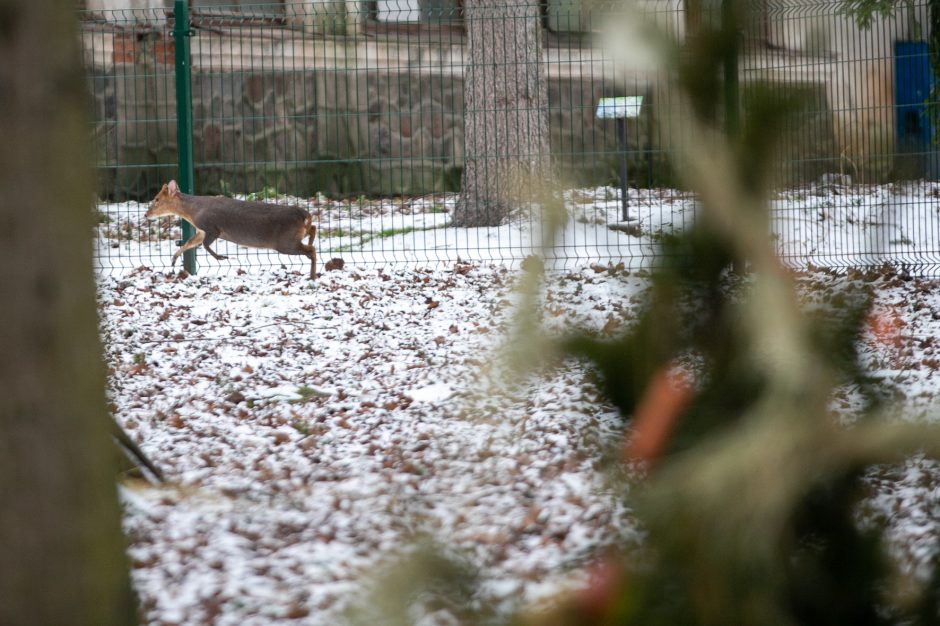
620,108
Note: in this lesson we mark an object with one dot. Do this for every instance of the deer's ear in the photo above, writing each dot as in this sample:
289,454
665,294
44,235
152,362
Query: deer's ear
173,187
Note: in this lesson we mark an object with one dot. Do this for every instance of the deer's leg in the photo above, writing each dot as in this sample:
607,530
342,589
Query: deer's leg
312,255
194,242
210,238
311,251
297,246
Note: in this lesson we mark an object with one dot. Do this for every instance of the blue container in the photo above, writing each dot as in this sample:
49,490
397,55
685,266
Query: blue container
913,80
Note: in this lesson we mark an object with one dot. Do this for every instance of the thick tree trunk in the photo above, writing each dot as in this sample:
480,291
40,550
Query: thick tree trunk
61,548
506,110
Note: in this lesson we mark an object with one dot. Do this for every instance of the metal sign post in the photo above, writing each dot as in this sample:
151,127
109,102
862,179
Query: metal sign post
621,108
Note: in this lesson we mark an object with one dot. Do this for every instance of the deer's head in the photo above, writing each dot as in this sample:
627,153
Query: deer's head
166,202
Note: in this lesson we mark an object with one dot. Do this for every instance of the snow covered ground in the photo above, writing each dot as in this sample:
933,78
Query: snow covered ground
824,225
311,432
415,231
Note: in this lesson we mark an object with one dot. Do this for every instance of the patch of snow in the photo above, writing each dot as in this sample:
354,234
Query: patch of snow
438,392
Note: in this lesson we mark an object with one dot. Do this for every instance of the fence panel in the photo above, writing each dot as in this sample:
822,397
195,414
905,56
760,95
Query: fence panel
360,118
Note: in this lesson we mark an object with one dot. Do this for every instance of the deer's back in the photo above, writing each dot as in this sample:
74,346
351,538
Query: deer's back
256,224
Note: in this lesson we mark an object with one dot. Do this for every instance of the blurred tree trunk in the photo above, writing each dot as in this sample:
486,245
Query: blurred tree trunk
63,559
693,17
506,110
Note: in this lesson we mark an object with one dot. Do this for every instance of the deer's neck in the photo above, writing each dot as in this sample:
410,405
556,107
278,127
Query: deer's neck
187,207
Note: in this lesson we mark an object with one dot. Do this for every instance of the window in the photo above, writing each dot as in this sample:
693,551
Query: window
247,6
567,16
418,11
564,20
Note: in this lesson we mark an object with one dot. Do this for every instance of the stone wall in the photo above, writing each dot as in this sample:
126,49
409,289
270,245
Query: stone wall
325,125
338,129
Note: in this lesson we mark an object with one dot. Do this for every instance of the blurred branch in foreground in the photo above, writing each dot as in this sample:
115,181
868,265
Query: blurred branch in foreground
750,511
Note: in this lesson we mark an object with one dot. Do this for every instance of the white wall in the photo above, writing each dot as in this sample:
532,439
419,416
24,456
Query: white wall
860,62
112,5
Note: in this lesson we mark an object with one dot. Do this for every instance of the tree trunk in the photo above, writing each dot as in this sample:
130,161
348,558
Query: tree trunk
63,558
506,111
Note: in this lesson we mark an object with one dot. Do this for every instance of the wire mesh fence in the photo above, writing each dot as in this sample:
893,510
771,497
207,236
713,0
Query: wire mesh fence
395,121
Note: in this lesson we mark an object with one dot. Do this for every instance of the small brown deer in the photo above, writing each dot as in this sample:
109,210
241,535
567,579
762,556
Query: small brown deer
253,224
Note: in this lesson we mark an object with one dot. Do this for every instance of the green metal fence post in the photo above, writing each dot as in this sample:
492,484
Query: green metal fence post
184,117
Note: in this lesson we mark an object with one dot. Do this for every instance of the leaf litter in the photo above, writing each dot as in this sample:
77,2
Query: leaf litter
312,432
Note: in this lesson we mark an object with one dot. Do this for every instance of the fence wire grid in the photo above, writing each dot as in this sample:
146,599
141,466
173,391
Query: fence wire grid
372,117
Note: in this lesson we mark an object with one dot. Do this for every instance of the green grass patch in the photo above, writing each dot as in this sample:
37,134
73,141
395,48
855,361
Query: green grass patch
309,393
365,238
268,193
302,426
